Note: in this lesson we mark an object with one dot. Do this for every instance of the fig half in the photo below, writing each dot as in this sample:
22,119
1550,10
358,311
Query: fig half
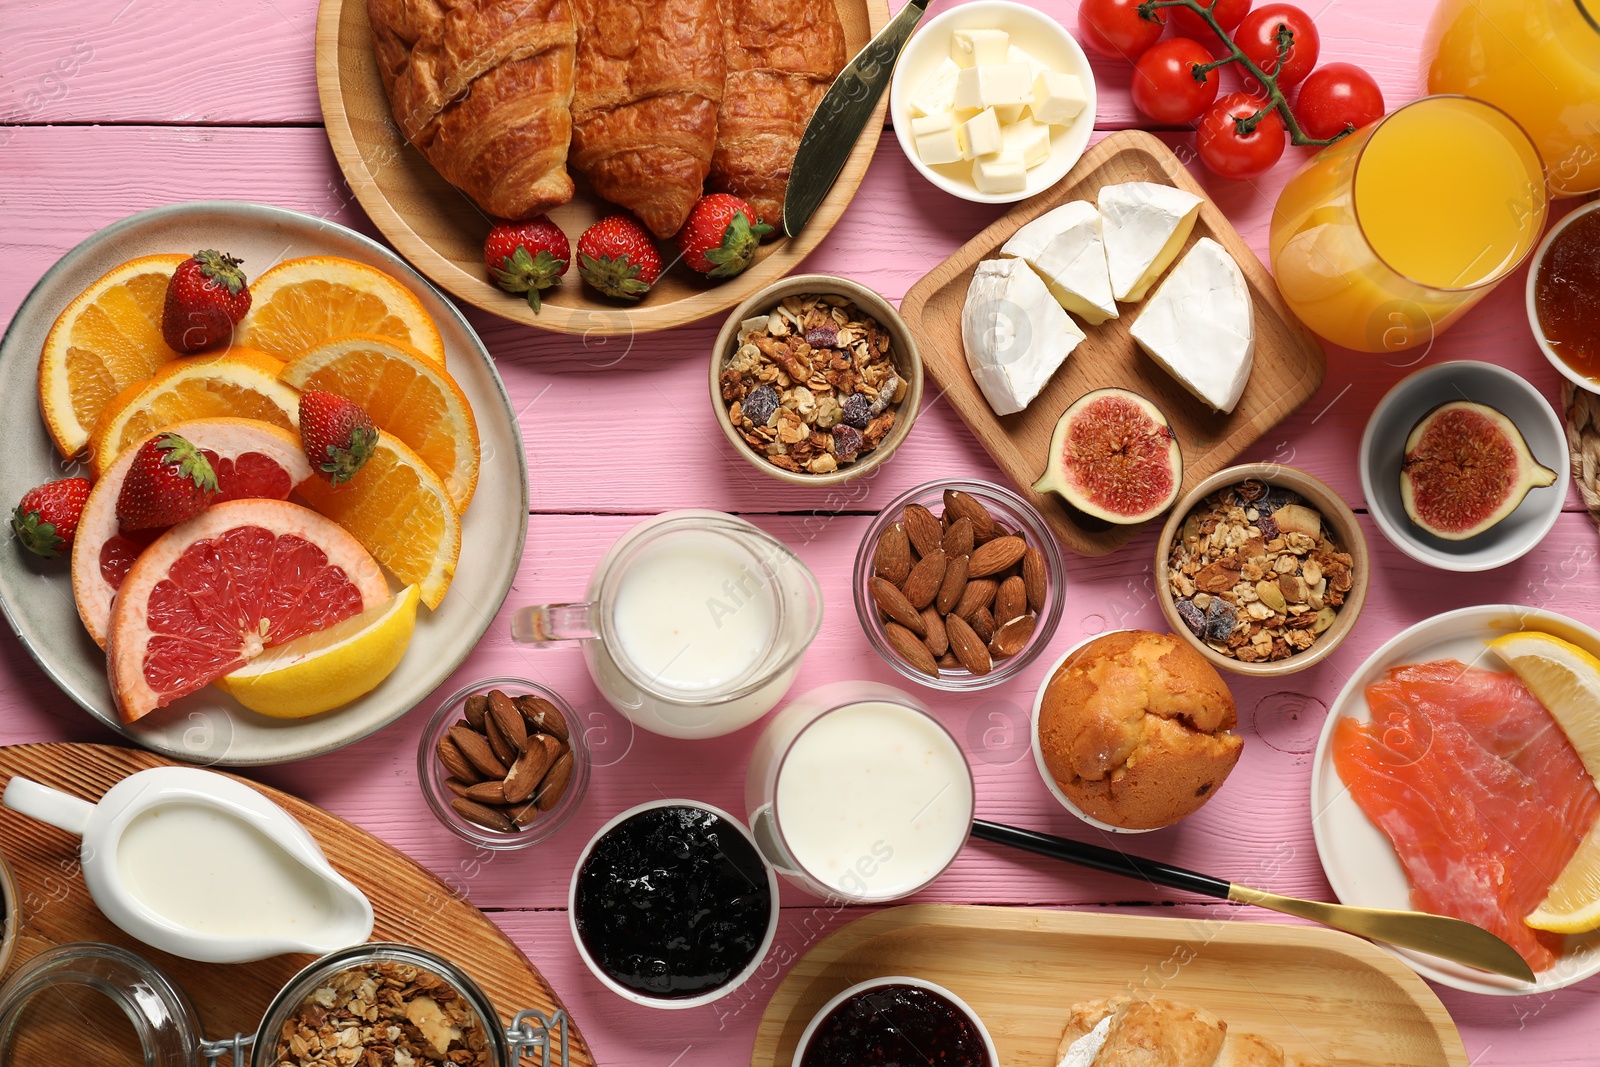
1114,458
1466,468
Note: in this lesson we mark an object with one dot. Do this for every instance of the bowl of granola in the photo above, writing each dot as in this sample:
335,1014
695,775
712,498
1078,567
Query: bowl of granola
815,379
1262,568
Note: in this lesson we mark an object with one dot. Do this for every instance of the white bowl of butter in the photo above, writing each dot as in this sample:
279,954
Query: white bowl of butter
993,101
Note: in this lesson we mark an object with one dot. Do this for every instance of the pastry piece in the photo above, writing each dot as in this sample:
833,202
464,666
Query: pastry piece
1125,1032
483,89
782,55
650,76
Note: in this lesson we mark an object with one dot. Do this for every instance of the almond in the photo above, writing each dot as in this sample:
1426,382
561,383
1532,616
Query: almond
456,786
475,747
891,560
958,539
513,727
967,648
543,716
1034,578
531,766
982,623
1010,638
1010,600
525,815
451,757
992,557
503,749
910,648
980,594
923,529
555,783
938,641
483,815
893,603
487,793
477,704
954,584
948,661
922,585
965,506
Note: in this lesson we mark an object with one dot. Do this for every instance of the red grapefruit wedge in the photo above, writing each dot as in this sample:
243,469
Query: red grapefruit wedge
214,592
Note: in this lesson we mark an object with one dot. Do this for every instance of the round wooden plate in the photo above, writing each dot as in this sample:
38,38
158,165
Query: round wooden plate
441,231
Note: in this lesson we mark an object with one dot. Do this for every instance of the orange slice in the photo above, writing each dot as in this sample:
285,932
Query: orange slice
213,593
303,302
400,510
240,382
252,459
410,397
108,338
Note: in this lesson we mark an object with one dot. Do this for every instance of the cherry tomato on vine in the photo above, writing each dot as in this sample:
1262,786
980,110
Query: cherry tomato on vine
1186,23
1335,95
1113,28
1257,38
1236,155
1164,86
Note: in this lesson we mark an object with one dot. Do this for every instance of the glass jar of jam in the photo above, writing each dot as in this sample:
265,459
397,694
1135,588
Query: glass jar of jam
1564,296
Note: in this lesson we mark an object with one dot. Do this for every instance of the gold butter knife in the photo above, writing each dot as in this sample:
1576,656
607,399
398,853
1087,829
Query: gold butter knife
840,117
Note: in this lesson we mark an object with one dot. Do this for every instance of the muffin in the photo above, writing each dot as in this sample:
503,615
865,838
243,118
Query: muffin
1137,729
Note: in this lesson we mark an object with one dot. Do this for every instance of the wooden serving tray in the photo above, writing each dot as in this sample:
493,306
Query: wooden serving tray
441,231
1321,994
411,905
1289,360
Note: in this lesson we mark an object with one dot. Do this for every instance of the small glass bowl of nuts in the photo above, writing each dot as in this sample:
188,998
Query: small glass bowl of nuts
503,763
958,584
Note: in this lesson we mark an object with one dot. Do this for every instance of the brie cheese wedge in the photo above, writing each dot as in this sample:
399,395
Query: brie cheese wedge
1065,247
1014,333
1082,1052
1200,325
1145,225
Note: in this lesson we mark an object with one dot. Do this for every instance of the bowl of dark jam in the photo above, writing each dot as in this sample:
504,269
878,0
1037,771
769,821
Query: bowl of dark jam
671,905
895,1022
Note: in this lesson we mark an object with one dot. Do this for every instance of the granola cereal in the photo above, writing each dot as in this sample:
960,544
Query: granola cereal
813,386
1255,574
383,1014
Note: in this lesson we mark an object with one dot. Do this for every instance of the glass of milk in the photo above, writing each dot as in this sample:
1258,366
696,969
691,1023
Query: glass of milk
856,792
693,625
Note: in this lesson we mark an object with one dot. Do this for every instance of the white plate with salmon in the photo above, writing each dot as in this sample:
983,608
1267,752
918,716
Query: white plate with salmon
1442,783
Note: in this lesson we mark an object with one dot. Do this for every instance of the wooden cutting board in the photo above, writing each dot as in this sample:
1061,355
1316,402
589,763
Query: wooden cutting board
411,905
1323,995
1289,360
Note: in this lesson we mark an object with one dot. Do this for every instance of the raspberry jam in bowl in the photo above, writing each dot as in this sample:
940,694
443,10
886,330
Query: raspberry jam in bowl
896,1020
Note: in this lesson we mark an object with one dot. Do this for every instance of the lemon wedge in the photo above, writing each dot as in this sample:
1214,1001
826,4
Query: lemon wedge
1566,680
323,670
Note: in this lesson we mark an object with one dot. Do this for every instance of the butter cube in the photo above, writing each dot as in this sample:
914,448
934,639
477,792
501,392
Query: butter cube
1057,98
1028,139
994,85
1009,113
971,48
938,139
1017,55
1002,173
980,135
937,92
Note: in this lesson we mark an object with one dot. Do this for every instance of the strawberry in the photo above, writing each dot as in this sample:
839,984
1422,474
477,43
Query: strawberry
170,481
337,434
720,240
525,257
206,298
48,515
617,257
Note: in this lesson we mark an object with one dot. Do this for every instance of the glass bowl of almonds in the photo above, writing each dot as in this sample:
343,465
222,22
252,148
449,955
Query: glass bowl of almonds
958,584
503,764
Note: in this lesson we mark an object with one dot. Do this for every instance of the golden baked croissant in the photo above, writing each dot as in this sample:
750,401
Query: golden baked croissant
782,56
650,76
483,88
1124,1032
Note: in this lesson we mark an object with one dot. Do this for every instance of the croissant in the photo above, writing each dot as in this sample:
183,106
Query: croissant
782,56
483,88
644,115
1124,1032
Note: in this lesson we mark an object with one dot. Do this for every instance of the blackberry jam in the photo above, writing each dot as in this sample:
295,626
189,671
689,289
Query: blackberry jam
673,902
896,1026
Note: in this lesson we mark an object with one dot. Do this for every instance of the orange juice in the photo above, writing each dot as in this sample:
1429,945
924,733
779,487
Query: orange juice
1539,61
1388,236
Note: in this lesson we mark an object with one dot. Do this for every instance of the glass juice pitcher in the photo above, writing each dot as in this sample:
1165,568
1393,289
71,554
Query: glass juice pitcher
693,624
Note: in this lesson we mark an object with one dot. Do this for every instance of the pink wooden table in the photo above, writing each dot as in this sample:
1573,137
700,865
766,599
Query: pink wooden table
107,108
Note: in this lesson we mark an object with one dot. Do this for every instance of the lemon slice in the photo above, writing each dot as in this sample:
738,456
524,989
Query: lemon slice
1573,904
322,670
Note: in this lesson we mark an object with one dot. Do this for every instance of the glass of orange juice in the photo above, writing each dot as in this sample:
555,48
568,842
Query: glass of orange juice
1389,235
1539,60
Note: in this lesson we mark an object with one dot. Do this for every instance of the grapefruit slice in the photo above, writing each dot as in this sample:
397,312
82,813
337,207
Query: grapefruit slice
251,458
213,593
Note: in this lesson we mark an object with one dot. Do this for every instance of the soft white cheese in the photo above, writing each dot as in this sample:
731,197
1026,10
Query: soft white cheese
994,85
937,93
1000,173
969,48
1028,139
1082,1052
1145,225
1057,98
938,139
1064,246
1200,325
980,135
1014,333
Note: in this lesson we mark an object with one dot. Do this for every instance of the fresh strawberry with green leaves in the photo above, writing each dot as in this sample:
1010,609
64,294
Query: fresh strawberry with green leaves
721,237
618,257
206,298
527,257
48,515
337,434
170,481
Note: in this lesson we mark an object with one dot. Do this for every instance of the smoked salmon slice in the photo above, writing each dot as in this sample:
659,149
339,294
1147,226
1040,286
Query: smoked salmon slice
1481,793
